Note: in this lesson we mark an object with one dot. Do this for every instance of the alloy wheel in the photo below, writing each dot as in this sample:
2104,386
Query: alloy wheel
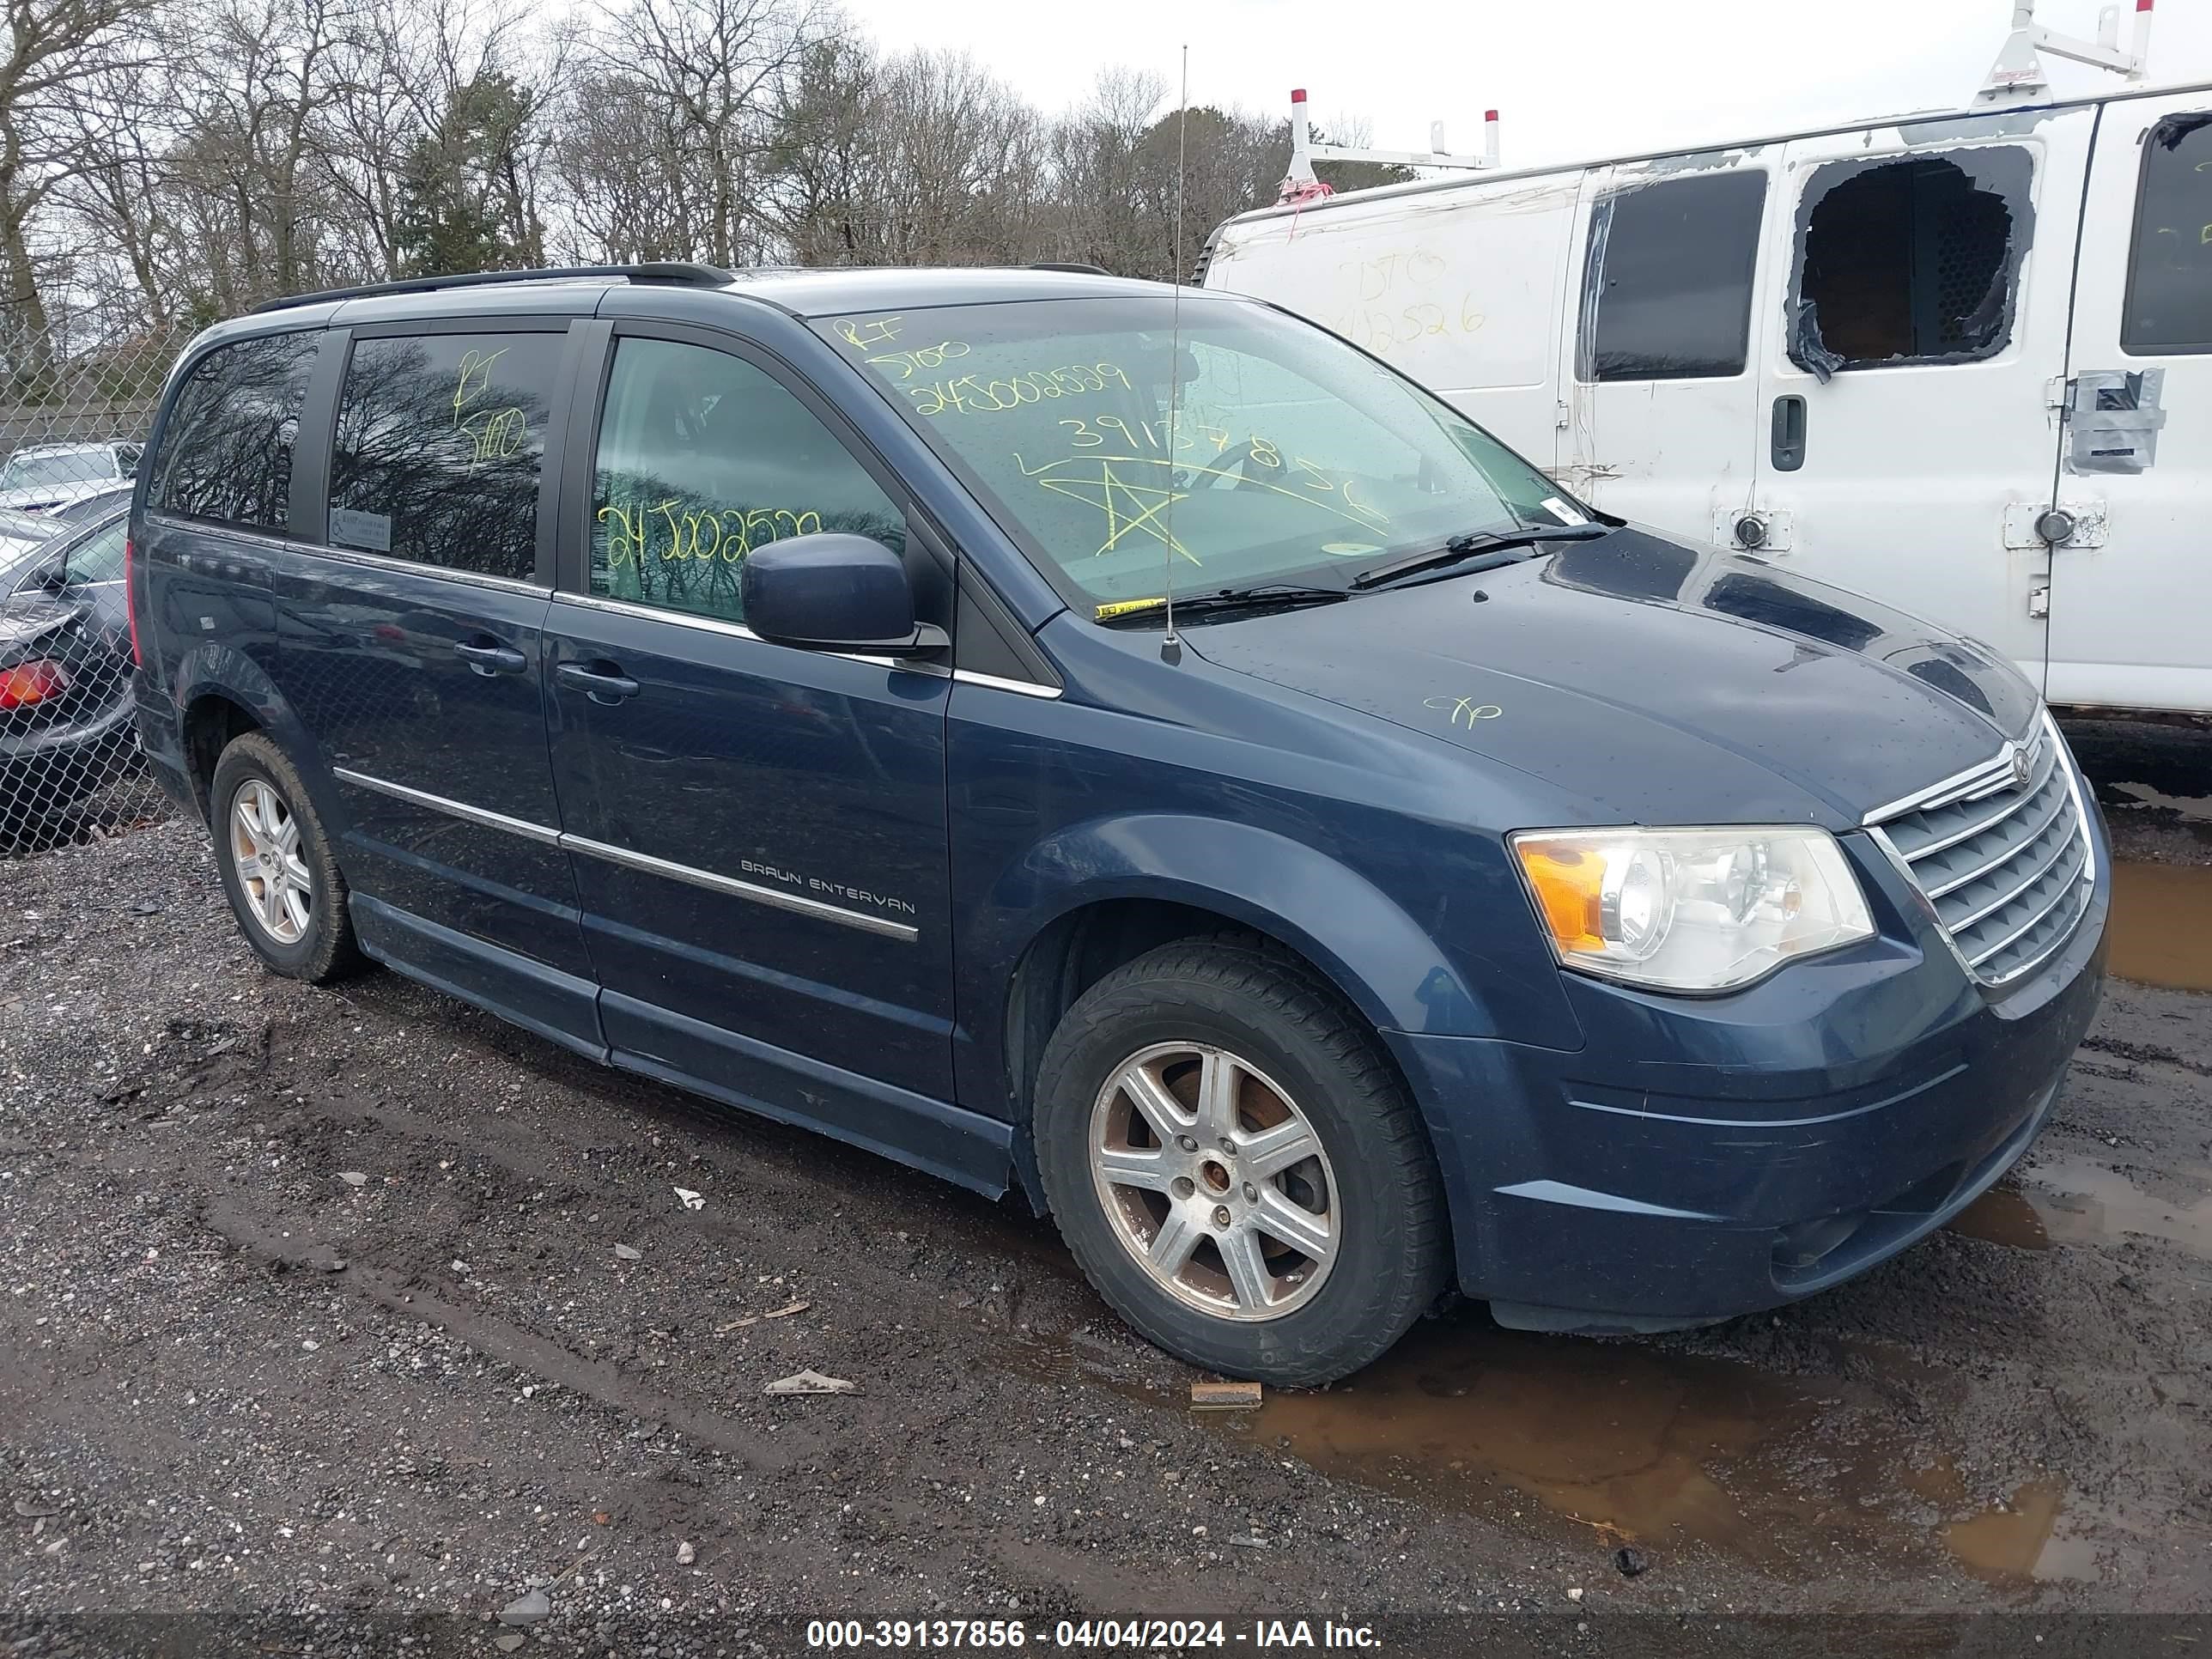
1214,1181
264,847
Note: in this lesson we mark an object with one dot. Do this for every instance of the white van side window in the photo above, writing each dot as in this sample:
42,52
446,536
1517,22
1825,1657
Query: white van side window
1667,278
1910,259
2169,305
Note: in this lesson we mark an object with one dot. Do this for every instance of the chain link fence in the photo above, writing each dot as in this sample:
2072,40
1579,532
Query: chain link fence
73,423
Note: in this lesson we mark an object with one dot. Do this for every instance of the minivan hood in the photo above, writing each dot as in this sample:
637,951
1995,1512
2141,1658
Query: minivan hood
1658,682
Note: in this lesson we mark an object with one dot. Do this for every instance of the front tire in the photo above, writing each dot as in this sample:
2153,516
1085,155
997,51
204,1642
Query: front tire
1236,1166
284,884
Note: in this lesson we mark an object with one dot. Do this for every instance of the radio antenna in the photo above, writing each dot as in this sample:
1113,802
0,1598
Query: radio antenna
1170,646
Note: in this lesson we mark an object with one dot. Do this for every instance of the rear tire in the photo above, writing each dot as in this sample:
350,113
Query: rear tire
284,886
1236,1166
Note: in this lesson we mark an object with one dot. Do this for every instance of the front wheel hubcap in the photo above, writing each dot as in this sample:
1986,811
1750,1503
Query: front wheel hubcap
264,847
1214,1181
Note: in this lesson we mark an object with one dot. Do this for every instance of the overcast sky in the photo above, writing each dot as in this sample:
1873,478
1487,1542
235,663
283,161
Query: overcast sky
1572,79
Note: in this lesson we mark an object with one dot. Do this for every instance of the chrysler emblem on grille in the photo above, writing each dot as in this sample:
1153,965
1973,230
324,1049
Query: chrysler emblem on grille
2019,768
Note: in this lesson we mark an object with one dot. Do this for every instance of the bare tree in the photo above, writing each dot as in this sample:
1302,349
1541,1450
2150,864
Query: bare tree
53,48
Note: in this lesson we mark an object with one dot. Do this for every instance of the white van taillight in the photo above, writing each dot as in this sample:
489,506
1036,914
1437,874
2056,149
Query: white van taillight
130,598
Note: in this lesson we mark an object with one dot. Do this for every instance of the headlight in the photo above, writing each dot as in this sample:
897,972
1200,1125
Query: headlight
1691,909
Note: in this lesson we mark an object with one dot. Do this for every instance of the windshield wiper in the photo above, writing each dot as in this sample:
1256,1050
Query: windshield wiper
1468,547
1263,596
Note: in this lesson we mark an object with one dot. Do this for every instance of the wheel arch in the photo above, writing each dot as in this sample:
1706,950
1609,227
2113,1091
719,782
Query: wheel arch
1146,882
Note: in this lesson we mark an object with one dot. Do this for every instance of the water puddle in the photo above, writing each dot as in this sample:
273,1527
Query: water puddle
2161,926
2021,1540
2068,1202
2003,1215
1610,1443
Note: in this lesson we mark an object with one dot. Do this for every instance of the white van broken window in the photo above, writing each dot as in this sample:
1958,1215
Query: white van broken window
2169,306
1910,259
1667,280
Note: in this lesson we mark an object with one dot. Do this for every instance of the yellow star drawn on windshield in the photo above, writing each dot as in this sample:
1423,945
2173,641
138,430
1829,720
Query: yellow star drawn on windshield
1127,506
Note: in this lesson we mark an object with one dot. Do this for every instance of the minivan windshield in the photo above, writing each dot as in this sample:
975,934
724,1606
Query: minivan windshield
1292,458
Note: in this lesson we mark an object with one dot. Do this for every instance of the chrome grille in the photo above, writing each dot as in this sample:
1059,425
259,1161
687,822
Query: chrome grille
2006,864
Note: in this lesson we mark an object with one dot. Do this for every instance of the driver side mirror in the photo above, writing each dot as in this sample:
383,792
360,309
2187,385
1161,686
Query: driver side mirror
833,591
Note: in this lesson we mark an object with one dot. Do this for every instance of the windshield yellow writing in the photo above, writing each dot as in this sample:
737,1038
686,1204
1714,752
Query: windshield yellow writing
875,331
1301,481
973,394
921,357
671,531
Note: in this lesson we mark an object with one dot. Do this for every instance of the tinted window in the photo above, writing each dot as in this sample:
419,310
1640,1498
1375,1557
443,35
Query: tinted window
226,452
703,458
2170,276
1666,289
99,557
439,441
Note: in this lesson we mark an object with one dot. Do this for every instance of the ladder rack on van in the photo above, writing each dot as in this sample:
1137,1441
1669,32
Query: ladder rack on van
681,272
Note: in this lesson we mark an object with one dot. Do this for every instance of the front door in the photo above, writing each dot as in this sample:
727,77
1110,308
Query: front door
1659,376
2130,583
409,647
758,832
1917,320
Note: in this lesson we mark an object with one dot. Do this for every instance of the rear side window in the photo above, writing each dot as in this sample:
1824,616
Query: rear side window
1666,284
440,439
1910,259
2169,305
702,457
226,454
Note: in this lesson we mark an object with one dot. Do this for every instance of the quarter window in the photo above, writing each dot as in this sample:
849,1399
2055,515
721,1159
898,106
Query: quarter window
703,458
441,438
226,452
2169,306
1666,285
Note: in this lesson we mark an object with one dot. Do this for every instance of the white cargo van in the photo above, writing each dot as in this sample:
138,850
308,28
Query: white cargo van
1962,362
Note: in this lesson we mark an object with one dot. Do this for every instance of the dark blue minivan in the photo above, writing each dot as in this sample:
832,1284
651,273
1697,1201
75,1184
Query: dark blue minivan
1134,748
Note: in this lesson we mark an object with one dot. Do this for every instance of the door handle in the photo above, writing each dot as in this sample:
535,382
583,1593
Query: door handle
488,657
601,682
1788,432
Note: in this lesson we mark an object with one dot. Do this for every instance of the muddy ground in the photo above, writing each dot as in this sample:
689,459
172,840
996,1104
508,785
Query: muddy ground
359,1300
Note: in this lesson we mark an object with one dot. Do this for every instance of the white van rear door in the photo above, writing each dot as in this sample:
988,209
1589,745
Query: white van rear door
1459,289
2131,590
1658,369
1916,327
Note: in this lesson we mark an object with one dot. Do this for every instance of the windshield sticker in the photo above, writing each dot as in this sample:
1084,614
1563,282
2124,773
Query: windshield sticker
1560,510
1463,711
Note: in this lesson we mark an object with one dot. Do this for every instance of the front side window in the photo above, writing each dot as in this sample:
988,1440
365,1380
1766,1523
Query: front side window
1913,259
98,557
2169,305
1667,281
226,454
441,438
702,457
1286,454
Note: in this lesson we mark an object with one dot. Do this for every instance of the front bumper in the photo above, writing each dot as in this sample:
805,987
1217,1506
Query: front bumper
1697,1159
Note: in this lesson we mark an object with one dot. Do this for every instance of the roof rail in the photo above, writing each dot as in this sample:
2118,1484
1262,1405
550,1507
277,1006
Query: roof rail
665,270
1079,269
